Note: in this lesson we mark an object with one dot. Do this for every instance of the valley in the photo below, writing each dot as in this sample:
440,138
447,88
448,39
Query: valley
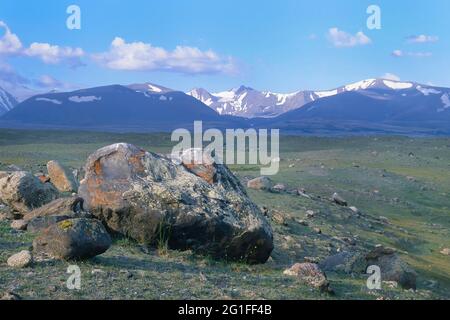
400,187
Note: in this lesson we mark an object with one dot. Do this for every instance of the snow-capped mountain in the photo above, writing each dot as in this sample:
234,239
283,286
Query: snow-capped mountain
382,105
7,101
251,103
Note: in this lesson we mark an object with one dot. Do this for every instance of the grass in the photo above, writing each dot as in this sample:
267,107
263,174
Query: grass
371,173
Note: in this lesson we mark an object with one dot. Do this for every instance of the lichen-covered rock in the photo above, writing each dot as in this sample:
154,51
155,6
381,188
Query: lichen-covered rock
346,262
309,274
260,183
23,192
392,267
148,198
73,239
61,177
22,259
59,207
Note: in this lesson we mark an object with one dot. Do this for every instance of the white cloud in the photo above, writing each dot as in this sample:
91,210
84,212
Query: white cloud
400,53
53,54
9,42
145,57
11,45
343,39
422,38
390,76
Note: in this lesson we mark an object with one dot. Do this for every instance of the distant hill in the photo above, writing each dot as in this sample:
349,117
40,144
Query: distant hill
113,106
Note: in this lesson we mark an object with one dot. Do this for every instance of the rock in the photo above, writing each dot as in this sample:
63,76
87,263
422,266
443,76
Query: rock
355,210
59,207
279,188
11,296
445,251
393,268
339,200
73,239
61,177
22,191
205,169
13,167
278,218
310,213
346,262
22,259
310,274
40,223
148,197
261,183
19,224
317,230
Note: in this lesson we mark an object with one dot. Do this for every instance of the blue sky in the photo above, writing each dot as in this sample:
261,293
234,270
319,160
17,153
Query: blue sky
282,46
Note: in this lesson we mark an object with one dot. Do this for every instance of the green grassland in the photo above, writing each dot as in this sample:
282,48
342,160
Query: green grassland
405,181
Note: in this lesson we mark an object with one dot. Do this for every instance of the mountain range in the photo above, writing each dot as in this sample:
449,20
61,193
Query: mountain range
368,106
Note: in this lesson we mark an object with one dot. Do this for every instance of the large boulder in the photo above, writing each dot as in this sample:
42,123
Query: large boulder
73,239
23,192
150,198
61,177
392,267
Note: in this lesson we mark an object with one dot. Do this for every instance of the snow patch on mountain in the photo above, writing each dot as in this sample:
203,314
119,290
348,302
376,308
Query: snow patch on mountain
7,101
397,85
427,91
84,99
54,101
446,101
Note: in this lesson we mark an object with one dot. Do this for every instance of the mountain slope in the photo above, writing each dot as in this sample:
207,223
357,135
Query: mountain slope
7,101
375,104
110,106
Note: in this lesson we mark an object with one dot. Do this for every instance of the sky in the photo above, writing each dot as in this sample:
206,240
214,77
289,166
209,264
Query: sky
279,46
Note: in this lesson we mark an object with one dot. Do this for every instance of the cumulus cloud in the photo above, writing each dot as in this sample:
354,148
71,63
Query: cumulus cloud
400,53
10,45
341,38
53,54
390,76
146,57
9,42
422,38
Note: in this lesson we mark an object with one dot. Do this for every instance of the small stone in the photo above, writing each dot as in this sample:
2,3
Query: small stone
22,259
310,274
445,251
19,224
310,214
355,210
339,200
261,183
278,188
317,230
